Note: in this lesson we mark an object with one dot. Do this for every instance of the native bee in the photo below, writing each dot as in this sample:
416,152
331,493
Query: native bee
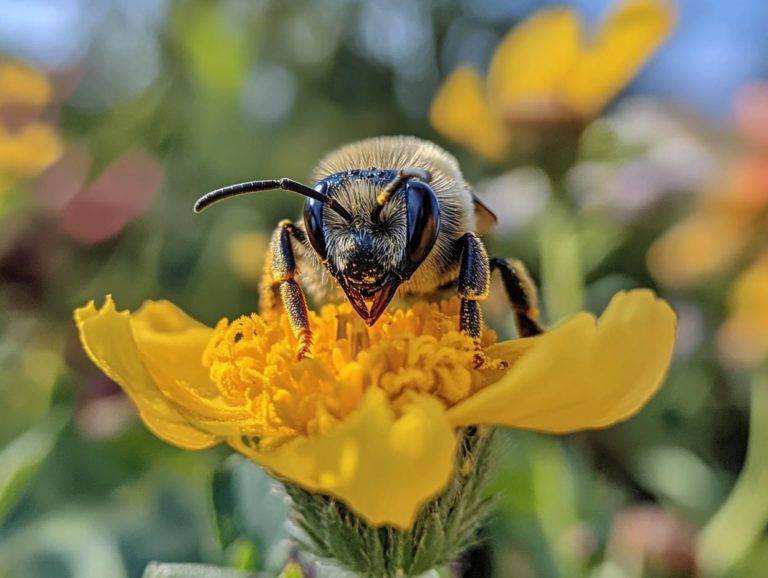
386,216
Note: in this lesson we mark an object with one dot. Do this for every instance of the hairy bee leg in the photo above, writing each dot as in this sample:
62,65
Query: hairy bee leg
474,283
522,294
279,274
473,286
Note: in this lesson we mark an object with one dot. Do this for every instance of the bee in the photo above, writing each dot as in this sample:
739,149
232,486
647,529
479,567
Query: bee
386,217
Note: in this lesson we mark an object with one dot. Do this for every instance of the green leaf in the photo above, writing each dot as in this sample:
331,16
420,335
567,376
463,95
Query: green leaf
293,570
65,543
243,555
161,570
214,45
249,513
20,460
431,546
223,497
260,502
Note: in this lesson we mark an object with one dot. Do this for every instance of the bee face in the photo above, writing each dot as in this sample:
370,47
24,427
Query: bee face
371,254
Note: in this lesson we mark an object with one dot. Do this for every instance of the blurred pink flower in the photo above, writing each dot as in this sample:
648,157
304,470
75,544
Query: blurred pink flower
751,114
650,537
119,195
63,180
103,410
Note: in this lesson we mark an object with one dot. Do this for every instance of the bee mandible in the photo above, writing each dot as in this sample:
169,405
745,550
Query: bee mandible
387,216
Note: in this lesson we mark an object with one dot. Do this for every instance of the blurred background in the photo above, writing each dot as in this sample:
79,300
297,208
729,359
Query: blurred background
115,115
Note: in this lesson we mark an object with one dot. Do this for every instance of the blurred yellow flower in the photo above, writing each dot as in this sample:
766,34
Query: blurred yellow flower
726,223
701,245
729,216
245,253
35,145
22,85
371,417
28,151
744,336
547,71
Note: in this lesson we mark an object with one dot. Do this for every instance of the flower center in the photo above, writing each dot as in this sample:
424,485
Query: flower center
418,350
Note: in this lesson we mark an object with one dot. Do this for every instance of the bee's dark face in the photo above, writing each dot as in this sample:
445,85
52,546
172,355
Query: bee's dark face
365,264
369,256
361,267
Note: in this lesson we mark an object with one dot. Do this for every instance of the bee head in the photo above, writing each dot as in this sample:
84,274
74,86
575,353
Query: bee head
394,225
381,226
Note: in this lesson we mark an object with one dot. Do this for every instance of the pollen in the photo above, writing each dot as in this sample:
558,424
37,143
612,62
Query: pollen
410,351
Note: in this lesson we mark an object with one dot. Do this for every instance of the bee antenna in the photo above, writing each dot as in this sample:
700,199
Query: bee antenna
402,176
270,185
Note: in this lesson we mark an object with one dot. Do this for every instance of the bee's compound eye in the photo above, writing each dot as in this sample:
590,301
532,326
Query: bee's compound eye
423,218
313,222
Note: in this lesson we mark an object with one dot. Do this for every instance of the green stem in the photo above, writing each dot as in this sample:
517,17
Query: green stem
555,499
735,528
561,267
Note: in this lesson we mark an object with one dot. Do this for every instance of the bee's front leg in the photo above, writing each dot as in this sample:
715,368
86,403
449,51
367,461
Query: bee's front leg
522,295
473,286
279,274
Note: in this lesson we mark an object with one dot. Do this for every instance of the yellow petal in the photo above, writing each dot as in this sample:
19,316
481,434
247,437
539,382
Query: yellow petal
382,466
246,252
107,338
460,112
702,245
171,345
583,374
532,61
22,85
624,42
743,339
28,151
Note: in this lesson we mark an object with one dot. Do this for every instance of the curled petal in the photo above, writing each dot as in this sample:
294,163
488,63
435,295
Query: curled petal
108,339
626,40
583,374
461,113
382,466
171,345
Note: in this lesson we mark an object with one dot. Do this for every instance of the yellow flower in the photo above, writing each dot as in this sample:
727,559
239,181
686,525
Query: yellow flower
371,418
245,253
21,85
727,221
545,71
27,152
35,146
744,336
